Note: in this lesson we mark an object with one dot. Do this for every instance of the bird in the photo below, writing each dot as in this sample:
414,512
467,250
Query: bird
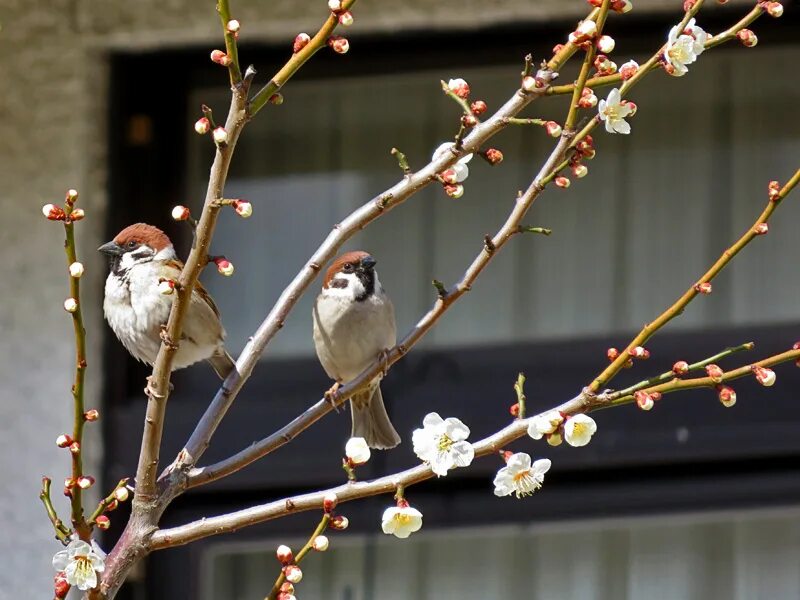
141,259
354,325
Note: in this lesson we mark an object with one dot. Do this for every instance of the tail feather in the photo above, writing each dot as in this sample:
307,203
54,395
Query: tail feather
370,420
222,364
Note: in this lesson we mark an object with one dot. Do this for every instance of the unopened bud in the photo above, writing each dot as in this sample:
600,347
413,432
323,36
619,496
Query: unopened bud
60,585
588,99
579,170
612,353
113,505
761,229
233,26
219,57
202,125
643,400
339,522
514,410
335,5
639,352
224,267
346,19
494,156
121,493
562,182
75,447
449,176
220,136
774,190
63,440
293,573
478,107
715,372
553,129
91,415
320,543
726,395
329,502
680,368
103,522
276,99
656,396
529,83
300,41
180,213
764,376
284,554
747,37
703,287
774,9
339,44
243,208
632,106
76,270
53,212
628,70
85,482
287,587
554,439
606,44
585,31
454,190
459,87
469,120
70,305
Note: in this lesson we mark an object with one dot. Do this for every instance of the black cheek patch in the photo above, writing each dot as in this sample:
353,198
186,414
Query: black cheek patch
338,283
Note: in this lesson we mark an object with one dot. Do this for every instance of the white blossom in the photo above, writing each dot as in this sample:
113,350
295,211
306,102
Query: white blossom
613,111
80,563
544,424
579,429
460,169
519,476
699,34
357,451
683,47
442,443
401,521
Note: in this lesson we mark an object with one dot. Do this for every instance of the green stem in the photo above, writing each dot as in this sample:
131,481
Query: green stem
231,48
323,525
62,531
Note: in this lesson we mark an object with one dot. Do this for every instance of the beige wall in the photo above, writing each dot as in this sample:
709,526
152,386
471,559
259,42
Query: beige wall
52,113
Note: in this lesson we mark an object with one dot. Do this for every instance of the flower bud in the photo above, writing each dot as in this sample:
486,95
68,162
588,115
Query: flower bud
553,129
293,573
774,190
764,376
632,106
329,502
529,83
69,483
346,19
202,125
339,522
605,44
554,439
761,229
70,305
579,170
243,208
621,6
639,352
276,99
628,70
219,57
469,120
339,44
335,5
562,182
454,190
166,287
656,396
76,270
224,267
77,214
180,213
612,354
320,543
60,586
85,482
493,156
774,9
478,107
586,30
459,87
643,400
287,587
103,522
726,395
53,212
680,368
747,37
357,451
284,554
587,99
703,288
220,136
715,373
558,48
113,505
63,440
233,26
75,447
449,176
300,41
121,493
91,415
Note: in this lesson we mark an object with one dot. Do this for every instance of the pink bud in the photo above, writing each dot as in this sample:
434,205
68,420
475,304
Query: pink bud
300,42
764,376
202,125
632,106
85,482
276,99
77,214
726,395
459,87
224,267
293,573
478,107
320,543
219,57
454,190
469,120
346,19
220,136
553,129
287,587
71,197
63,440
60,585
121,493
75,447
761,229
587,99
643,400
69,483
639,352
612,354
606,44
775,9
339,522
329,502
70,305
339,44
656,396
91,415
628,364
628,70
585,31
243,208
53,212
680,368
774,189
103,522
181,213
747,37
494,156
449,176
715,373
284,554
579,170
514,410
703,288
113,505
562,182
233,26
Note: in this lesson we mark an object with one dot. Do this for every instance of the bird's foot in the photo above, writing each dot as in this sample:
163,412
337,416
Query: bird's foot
150,391
164,335
383,359
330,395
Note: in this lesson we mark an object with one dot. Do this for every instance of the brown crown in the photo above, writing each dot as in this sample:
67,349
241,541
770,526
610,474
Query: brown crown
142,233
336,266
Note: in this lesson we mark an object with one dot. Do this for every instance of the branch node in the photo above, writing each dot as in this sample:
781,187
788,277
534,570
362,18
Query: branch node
402,161
488,244
440,289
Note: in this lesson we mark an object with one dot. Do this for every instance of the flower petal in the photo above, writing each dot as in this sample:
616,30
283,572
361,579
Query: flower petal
455,429
461,170
521,461
432,420
61,560
622,126
462,454
541,466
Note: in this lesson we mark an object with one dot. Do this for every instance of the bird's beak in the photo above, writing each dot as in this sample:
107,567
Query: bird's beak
368,263
111,248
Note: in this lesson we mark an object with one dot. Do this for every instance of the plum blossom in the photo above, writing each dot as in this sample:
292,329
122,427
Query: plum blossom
460,169
683,48
519,476
357,451
544,424
579,429
80,562
442,443
401,520
613,111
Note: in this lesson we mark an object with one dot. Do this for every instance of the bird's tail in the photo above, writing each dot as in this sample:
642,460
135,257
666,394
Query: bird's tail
370,420
222,363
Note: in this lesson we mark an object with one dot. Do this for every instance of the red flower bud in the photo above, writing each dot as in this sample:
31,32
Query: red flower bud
562,182
339,522
514,410
329,502
680,368
53,212
726,396
493,156
219,57
761,229
103,522
91,415
703,288
61,587
612,354
715,373
747,37
339,44
300,42
478,107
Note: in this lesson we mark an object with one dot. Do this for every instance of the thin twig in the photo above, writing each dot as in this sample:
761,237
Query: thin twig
320,529
62,531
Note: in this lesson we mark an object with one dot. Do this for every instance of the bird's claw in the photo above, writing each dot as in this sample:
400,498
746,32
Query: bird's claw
330,395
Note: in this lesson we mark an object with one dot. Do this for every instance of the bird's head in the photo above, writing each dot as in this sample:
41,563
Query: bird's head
352,275
137,244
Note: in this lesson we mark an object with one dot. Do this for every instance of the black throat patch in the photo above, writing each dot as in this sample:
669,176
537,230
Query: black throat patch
367,279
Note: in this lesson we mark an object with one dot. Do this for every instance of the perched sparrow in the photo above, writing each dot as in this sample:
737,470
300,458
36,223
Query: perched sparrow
354,325
141,257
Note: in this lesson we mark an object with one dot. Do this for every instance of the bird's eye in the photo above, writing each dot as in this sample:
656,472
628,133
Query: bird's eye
131,245
348,267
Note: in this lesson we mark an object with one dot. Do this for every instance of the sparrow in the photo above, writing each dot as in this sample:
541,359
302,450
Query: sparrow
141,257
353,325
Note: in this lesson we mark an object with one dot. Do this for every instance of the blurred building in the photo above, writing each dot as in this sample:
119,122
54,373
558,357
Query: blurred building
689,501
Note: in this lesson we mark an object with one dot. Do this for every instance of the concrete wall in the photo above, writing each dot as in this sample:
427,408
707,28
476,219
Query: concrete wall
53,74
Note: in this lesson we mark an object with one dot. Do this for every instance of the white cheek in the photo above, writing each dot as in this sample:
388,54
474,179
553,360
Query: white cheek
167,253
128,260
354,287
